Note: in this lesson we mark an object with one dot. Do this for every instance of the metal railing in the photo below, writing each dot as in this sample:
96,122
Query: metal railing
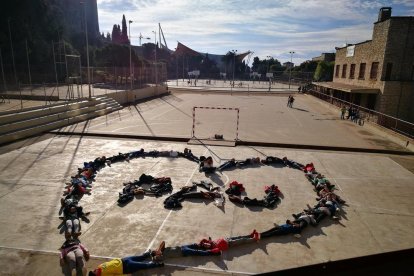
369,115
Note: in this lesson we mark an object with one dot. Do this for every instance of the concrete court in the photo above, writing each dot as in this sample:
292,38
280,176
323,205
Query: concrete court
263,118
379,216
33,172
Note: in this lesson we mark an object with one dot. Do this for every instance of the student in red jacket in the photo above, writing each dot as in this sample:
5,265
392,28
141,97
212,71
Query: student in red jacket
209,247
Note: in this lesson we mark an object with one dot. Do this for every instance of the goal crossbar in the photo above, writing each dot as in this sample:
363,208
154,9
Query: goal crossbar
220,108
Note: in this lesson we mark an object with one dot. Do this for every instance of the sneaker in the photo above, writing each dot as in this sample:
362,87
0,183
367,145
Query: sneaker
295,216
158,259
297,236
147,253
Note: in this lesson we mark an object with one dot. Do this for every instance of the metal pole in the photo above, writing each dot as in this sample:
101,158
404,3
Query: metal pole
87,49
234,66
28,66
130,53
291,65
54,62
12,52
155,46
2,72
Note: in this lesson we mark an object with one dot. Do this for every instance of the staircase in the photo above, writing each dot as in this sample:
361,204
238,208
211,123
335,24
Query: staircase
15,125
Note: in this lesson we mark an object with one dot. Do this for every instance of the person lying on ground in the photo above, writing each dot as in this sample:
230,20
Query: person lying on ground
292,164
207,165
209,247
269,200
136,154
274,189
272,160
288,228
309,168
131,264
304,219
227,165
249,162
325,209
174,200
76,190
328,195
97,164
71,215
73,255
189,155
118,158
207,185
235,188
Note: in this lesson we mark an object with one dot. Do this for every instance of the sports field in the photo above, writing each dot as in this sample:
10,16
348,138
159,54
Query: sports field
378,188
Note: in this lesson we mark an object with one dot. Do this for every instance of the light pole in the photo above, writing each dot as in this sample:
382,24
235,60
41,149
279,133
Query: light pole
87,48
234,62
130,54
155,46
12,53
290,66
267,71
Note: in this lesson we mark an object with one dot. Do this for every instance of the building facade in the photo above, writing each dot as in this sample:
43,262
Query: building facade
378,73
327,57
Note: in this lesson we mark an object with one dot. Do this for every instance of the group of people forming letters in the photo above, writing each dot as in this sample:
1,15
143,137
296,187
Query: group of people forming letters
74,254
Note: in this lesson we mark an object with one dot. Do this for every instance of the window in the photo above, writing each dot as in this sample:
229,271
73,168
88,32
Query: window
361,74
352,71
388,71
374,71
344,70
337,71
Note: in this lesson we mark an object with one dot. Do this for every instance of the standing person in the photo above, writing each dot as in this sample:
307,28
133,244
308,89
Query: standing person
291,101
288,102
73,255
349,112
343,111
131,264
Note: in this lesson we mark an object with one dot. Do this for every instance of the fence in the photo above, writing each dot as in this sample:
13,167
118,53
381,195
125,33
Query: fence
369,115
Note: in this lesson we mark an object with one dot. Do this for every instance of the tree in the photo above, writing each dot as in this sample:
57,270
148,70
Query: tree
324,71
124,32
307,66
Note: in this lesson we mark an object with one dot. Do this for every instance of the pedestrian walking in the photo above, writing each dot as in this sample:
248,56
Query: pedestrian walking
291,101
343,111
288,101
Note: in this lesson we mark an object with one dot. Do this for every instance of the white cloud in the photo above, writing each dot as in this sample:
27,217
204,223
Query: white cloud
266,27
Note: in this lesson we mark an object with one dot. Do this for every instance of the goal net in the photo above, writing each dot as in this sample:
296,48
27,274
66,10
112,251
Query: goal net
215,123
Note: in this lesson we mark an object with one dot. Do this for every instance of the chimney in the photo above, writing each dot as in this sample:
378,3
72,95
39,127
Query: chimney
384,14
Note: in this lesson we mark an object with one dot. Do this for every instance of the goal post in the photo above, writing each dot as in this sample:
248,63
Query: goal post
235,110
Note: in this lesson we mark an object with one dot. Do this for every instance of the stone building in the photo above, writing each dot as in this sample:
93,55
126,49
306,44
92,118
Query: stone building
288,65
327,57
378,73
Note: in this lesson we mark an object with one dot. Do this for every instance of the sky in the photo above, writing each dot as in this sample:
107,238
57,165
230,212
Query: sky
266,27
